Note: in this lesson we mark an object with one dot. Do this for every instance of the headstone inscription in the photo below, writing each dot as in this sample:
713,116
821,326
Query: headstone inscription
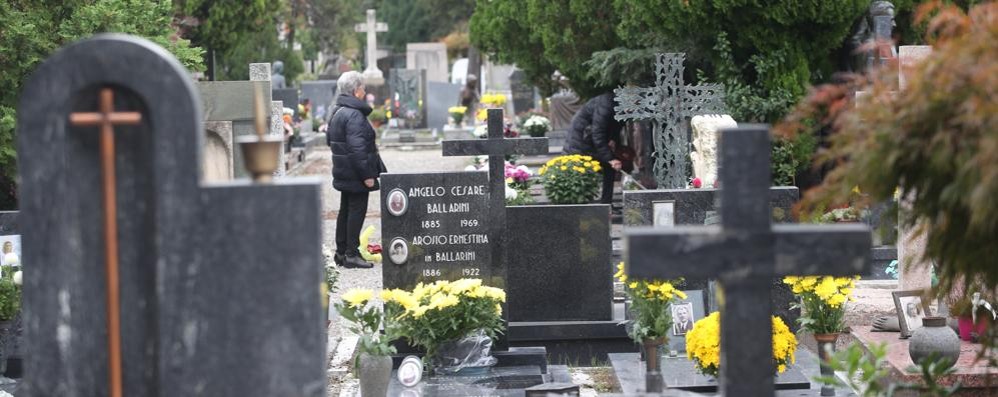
744,254
202,311
408,94
669,104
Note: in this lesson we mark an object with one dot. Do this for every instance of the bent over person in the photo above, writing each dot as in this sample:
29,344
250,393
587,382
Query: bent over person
356,166
594,132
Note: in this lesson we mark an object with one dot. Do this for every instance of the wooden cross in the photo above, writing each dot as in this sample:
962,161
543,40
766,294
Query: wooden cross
496,148
668,104
745,253
106,119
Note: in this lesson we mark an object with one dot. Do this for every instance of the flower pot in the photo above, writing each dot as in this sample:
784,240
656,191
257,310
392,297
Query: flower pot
469,355
826,349
653,365
934,338
968,328
374,373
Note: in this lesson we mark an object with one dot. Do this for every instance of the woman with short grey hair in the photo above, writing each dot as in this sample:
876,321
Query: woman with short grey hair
356,166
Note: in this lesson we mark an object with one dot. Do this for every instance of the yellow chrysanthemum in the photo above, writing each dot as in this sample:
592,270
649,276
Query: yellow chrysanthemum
563,168
357,297
620,273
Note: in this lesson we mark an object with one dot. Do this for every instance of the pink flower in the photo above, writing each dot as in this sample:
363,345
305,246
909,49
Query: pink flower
697,183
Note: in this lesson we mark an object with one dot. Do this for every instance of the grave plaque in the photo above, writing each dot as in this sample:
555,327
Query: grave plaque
435,227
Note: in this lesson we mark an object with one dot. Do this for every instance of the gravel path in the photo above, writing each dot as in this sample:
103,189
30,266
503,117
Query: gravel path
341,342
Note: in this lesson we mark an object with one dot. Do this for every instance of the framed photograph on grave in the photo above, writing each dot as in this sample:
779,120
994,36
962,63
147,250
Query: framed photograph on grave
398,202
10,250
664,213
398,251
911,308
685,312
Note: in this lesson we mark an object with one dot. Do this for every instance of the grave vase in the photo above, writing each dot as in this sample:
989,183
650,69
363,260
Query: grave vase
6,339
934,338
374,373
654,383
967,327
826,349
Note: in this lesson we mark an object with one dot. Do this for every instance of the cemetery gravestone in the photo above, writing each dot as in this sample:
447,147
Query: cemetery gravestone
669,104
915,270
372,75
431,57
218,151
233,101
745,253
439,98
203,309
288,97
408,92
320,93
523,92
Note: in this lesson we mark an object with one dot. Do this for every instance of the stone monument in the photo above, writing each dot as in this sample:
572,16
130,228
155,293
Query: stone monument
146,282
372,75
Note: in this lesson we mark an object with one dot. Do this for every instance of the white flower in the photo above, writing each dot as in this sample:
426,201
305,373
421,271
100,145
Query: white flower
525,169
510,192
17,277
11,259
480,131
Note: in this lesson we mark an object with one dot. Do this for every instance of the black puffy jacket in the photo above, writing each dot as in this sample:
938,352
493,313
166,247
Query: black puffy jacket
593,127
351,136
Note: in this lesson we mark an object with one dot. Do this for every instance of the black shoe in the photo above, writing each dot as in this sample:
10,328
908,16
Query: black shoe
356,262
338,259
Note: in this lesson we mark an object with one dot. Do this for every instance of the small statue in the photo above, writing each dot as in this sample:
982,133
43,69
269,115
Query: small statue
876,26
978,302
470,98
277,79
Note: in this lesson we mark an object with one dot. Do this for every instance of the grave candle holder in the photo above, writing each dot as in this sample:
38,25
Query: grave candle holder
261,154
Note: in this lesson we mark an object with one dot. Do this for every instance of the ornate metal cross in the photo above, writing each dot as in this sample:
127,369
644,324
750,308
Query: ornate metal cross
106,119
668,105
496,148
745,253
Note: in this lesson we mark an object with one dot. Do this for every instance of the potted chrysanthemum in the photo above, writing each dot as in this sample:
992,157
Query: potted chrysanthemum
703,345
650,301
454,321
373,364
571,179
822,299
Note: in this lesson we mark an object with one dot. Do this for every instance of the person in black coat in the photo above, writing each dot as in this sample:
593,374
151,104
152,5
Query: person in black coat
356,166
593,132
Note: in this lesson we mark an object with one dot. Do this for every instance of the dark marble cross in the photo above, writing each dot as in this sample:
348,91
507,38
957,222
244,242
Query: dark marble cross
497,149
106,119
745,253
668,105
204,310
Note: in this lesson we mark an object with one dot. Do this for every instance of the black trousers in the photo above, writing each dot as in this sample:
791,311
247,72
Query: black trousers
609,175
353,209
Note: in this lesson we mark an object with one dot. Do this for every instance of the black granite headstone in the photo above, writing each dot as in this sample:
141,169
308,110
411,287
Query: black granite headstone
699,207
289,96
558,263
435,226
745,253
204,308
523,92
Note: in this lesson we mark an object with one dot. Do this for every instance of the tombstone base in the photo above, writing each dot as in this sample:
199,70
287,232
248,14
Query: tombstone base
680,373
497,381
514,357
575,342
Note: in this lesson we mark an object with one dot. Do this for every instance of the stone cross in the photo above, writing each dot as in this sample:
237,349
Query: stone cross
668,105
497,149
372,75
106,119
745,253
203,308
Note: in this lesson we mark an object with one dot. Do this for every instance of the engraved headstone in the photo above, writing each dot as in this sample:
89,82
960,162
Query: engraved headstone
407,89
523,92
745,253
203,309
669,105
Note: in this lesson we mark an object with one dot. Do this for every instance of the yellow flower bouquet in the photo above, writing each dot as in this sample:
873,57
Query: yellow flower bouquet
445,311
571,179
703,345
650,304
494,100
457,113
822,299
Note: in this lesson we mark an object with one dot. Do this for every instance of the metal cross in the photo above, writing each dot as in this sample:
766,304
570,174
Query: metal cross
106,119
668,105
745,253
496,148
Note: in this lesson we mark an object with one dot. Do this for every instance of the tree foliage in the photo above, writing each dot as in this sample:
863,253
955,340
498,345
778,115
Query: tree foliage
935,142
224,24
34,29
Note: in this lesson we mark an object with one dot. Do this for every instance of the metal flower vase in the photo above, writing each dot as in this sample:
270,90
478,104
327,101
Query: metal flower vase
654,383
826,349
